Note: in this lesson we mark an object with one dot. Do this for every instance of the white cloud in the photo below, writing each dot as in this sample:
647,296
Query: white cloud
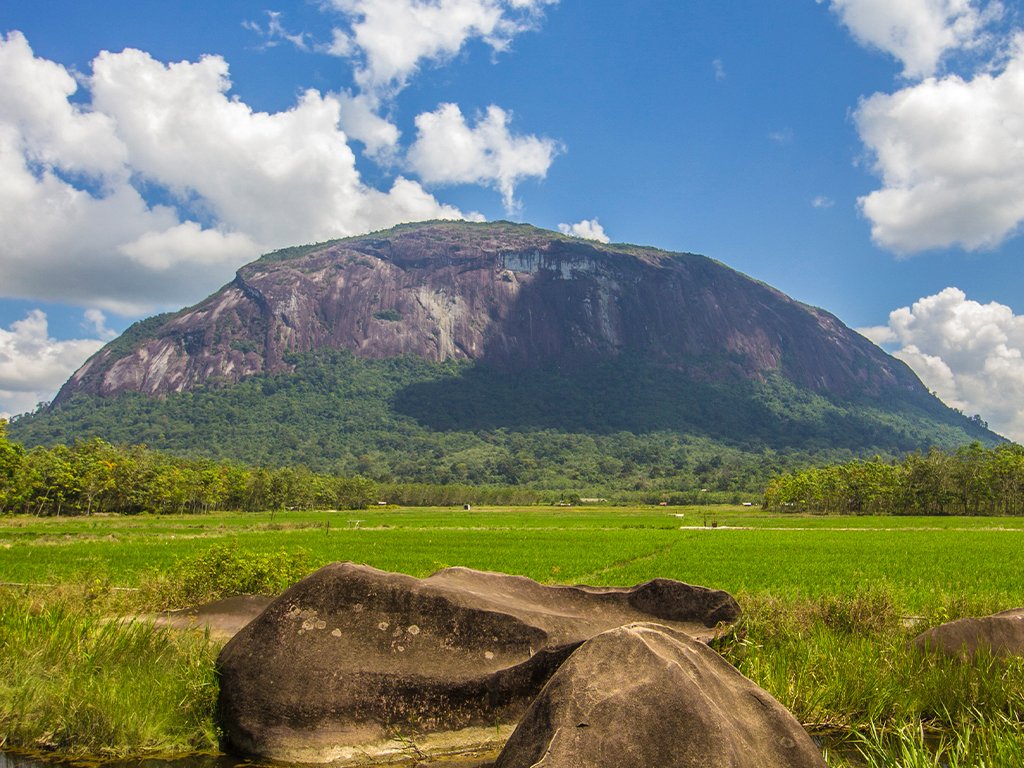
47,128
391,38
33,365
970,354
94,321
361,120
448,151
879,334
951,160
187,244
388,41
274,33
588,229
77,230
822,201
917,32
280,178
719,69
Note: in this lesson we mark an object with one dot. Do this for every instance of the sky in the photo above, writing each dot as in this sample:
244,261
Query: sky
863,156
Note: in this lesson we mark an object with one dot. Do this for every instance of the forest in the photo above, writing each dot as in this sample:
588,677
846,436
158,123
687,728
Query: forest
94,476
973,480
621,426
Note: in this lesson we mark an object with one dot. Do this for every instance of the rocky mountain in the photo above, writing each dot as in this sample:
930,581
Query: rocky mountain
455,352
501,294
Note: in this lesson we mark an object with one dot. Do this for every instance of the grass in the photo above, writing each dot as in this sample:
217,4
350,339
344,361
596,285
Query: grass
924,561
830,606
78,684
977,743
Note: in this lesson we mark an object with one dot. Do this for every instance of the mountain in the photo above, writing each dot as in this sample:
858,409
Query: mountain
448,331
502,294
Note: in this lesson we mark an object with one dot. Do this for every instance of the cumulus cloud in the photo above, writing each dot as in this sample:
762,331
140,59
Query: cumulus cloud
918,32
186,245
94,321
361,120
588,229
970,354
33,365
392,38
448,150
822,201
283,178
951,160
389,41
76,228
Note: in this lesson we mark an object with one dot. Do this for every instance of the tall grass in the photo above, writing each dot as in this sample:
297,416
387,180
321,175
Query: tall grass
74,682
848,663
845,667
982,742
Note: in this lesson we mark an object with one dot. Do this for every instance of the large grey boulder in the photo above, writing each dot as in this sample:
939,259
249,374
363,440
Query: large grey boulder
649,696
1001,635
354,662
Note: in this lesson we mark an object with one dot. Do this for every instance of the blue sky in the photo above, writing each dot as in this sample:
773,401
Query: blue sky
864,156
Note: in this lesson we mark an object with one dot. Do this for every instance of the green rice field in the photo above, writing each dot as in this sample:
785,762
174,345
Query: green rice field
921,560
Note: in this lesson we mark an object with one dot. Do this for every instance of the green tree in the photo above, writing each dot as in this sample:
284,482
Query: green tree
10,461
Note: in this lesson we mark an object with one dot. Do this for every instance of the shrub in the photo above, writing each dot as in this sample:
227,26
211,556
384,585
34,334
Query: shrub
223,571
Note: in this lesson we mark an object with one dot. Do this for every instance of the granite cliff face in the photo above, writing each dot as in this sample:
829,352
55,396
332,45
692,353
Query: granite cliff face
507,295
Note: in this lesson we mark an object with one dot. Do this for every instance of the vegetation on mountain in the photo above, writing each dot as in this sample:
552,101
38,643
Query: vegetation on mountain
973,480
619,425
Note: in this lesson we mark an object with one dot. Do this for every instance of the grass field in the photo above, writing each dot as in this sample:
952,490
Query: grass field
830,605
923,561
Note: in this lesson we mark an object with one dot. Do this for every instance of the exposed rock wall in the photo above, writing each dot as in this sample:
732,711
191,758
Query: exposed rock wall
510,295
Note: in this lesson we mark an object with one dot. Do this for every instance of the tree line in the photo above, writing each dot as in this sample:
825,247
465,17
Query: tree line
973,480
94,476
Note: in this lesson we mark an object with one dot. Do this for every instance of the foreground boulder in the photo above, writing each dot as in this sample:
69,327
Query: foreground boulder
354,662
1001,635
647,695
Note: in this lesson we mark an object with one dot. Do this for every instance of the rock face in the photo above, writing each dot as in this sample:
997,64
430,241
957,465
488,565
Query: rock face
1001,635
504,294
352,661
648,695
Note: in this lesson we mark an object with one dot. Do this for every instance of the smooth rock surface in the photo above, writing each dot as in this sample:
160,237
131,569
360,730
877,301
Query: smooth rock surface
649,696
1001,635
354,662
